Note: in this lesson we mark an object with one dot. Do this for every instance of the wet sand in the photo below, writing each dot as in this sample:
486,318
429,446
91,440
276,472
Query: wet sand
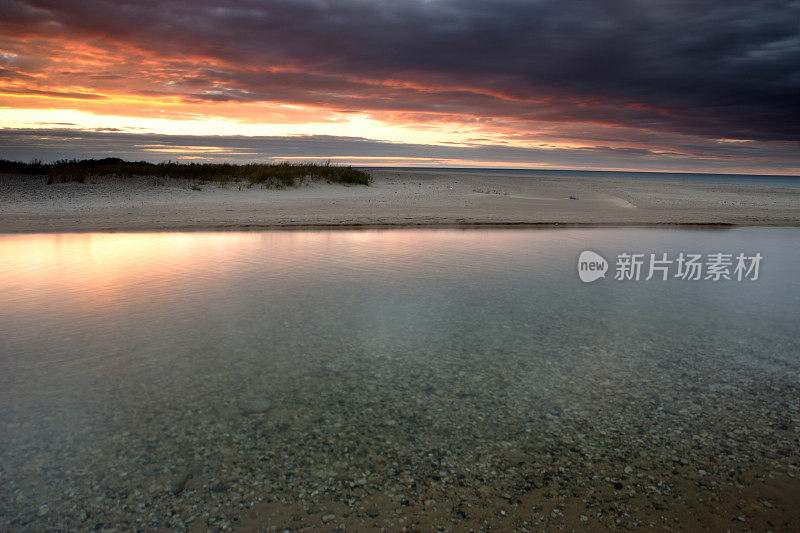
397,197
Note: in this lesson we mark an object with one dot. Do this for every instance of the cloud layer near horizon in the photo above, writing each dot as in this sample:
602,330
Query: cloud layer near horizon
606,75
65,143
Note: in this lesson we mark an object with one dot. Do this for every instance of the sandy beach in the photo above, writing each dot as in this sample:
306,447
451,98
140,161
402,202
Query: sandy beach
396,197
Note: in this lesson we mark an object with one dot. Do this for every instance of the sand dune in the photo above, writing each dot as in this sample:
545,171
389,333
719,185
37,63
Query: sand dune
397,197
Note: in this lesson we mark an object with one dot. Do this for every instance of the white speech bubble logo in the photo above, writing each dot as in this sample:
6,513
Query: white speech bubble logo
591,266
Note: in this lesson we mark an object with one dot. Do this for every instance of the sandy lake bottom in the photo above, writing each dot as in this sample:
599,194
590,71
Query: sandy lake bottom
407,378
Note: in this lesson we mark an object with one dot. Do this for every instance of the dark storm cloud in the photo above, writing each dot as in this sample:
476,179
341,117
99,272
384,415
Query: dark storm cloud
720,68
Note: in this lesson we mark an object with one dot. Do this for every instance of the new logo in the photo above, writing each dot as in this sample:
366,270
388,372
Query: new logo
591,266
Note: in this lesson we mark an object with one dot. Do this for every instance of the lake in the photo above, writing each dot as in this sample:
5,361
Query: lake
395,378
769,180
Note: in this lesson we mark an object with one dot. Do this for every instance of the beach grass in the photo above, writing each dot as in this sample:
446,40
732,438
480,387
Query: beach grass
278,175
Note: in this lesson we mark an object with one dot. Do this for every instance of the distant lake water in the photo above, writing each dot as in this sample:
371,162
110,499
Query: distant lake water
170,379
686,177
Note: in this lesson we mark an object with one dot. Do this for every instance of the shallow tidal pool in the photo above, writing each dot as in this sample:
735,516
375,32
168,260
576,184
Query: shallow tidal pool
404,378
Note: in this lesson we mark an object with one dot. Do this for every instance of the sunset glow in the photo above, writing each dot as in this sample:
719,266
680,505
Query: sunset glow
403,83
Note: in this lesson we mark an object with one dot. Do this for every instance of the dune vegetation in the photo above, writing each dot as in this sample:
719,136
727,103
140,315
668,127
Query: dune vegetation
278,175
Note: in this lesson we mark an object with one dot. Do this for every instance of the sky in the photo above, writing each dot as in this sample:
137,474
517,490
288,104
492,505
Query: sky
677,85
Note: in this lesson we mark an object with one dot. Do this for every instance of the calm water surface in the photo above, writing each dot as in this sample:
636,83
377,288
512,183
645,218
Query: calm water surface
686,177
269,365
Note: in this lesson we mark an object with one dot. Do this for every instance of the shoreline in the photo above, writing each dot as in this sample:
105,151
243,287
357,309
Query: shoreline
500,226
466,226
397,199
